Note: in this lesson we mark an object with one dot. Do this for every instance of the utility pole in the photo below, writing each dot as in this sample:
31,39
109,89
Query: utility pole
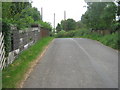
41,13
64,15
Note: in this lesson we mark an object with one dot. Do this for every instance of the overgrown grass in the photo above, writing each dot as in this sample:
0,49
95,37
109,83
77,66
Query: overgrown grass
13,74
111,40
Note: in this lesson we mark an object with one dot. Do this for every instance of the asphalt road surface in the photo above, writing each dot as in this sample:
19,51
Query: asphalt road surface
75,63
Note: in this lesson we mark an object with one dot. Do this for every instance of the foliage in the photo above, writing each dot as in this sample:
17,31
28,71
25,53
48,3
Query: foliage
58,28
79,25
68,24
24,22
13,74
45,25
11,9
111,40
27,17
22,14
99,14
7,37
118,8
108,16
61,34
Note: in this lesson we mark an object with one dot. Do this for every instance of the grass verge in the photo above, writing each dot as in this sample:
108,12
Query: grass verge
110,40
14,73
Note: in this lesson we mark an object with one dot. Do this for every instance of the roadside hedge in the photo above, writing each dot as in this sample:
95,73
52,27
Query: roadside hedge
6,30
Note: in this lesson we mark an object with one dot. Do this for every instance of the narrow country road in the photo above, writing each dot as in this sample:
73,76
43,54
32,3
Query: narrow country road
75,63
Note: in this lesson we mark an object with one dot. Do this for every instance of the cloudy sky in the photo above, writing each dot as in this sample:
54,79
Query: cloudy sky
74,9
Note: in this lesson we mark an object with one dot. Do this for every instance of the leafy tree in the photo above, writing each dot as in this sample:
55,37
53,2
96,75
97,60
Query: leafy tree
27,17
33,12
99,14
6,14
68,24
58,28
11,9
118,8
45,25
79,25
63,24
92,16
22,14
24,22
108,16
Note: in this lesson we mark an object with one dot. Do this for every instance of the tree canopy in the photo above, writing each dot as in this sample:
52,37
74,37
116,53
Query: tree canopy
22,14
66,25
100,15
58,28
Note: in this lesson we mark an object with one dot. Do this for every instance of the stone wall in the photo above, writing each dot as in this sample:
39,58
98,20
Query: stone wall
23,39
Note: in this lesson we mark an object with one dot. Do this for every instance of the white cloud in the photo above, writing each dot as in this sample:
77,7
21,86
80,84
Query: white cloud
74,9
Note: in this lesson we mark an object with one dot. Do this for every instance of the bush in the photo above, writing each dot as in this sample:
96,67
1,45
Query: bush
111,40
82,32
72,33
44,25
61,34
6,30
